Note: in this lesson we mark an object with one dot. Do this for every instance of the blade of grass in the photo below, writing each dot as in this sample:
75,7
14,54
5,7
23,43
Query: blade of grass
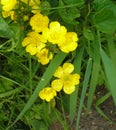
112,48
73,97
110,71
99,102
8,93
85,85
14,82
43,82
95,70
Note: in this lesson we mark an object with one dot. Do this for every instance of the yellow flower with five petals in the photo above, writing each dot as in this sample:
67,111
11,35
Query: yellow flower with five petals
65,80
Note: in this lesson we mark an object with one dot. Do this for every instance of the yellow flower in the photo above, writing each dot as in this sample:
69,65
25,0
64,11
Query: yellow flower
34,4
44,56
70,43
6,14
56,33
33,42
66,80
47,94
39,22
8,5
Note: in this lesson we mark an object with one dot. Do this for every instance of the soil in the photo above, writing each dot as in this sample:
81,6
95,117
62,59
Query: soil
94,121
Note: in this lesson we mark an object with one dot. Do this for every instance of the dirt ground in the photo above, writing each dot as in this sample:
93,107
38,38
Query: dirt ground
94,121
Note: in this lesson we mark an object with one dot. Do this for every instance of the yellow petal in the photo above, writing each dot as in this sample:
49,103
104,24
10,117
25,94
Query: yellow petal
68,67
57,84
59,72
69,89
31,49
75,79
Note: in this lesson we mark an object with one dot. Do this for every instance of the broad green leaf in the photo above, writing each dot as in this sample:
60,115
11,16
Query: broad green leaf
105,21
105,16
104,4
5,30
110,71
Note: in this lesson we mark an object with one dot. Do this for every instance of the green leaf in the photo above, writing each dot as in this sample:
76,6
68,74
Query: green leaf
5,30
105,16
85,85
110,71
68,14
88,34
73,97
38,125
95,71
105,21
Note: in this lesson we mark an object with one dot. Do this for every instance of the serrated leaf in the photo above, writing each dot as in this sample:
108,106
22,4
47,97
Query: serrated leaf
5,30
68,14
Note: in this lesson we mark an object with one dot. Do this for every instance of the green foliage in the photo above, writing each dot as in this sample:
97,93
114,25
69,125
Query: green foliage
84,89
5,30
105,16
69,14
110,73
22,77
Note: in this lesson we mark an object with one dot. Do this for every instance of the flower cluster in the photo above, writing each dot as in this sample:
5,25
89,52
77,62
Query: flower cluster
9,7
46,34
65,81
44,39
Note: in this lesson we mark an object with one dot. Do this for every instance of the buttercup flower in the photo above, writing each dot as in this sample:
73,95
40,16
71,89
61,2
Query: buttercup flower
8,5
33,42
56,33
39,22
65,80
70,43
44,56
47,94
